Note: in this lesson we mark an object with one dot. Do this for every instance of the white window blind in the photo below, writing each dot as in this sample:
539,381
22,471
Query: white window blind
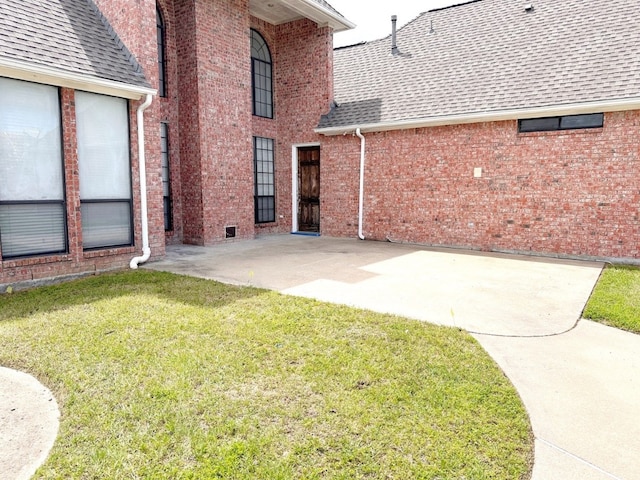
30,145
32,228
106,224
32,211
104,170
103,146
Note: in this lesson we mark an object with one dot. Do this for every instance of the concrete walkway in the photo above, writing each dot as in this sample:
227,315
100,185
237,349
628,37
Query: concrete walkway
579,380
29,419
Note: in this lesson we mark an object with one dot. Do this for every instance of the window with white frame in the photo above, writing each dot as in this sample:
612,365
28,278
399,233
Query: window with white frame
32,199
102,124
265,194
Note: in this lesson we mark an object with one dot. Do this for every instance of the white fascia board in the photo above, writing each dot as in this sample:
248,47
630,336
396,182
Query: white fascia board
319,14
59,78
516,114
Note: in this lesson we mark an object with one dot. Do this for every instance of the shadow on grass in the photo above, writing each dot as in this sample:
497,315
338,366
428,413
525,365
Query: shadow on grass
182,289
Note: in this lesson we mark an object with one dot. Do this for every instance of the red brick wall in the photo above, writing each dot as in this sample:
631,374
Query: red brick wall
169,114
339,177
215,119
208,107
135,24
189,127
302,55
304,74
573,193
216,124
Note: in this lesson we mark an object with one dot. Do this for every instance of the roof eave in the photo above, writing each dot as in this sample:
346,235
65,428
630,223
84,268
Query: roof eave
320,14
514,114
21,70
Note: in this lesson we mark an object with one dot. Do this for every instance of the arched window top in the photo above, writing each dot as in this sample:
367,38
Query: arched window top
259,48
159,20
162,73
261,71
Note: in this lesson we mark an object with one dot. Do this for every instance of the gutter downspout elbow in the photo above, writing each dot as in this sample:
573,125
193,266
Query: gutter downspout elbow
361,198
142,165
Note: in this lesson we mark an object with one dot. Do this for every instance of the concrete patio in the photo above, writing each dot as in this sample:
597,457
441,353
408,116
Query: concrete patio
579,380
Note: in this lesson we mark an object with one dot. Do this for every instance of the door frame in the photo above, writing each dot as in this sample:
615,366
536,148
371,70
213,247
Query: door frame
294,181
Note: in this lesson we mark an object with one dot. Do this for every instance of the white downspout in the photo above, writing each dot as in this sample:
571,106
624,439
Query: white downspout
361,199
142,165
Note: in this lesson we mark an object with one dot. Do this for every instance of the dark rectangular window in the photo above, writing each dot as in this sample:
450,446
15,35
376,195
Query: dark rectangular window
166,177
32,194
567,122
262,76
265,199
594,120
262,89
162,69
539,124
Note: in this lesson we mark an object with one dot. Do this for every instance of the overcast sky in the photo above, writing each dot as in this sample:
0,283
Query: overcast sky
373,17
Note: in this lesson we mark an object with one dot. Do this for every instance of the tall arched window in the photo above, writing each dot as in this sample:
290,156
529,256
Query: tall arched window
162,87
262,78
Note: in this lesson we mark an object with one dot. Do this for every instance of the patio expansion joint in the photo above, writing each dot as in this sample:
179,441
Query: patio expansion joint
579,459
542,335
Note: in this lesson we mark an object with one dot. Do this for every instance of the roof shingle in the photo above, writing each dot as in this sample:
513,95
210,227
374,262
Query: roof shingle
328,7
491,56
67,35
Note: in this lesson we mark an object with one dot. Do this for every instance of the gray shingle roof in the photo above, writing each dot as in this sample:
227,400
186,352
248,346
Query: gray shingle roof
328,7
67,35
491,56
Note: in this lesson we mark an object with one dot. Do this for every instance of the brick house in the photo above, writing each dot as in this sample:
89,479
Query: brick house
496,125
221,92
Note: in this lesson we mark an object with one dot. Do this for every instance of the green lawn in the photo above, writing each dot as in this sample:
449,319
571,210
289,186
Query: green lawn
162,376
616,299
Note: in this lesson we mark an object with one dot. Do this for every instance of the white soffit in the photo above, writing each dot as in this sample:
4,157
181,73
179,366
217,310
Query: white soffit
278,12
40,74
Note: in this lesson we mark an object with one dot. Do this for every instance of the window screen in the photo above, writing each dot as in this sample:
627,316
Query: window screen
32,207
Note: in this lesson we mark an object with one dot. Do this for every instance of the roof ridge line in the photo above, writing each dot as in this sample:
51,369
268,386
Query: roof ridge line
342,47
453,6
116,38
387,36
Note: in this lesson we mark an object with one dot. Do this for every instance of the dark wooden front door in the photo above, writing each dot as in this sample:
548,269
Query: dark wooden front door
309,189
